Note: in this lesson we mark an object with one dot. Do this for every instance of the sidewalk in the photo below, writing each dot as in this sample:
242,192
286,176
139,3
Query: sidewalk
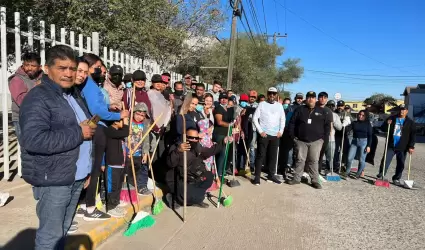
19,221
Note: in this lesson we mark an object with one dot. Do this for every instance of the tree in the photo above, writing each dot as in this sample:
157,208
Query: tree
378,101
254,64
154,29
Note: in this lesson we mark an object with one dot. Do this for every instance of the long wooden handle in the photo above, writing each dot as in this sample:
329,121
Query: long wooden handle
184,172
133,99
151,169
247,153
408,171
385,151
145,134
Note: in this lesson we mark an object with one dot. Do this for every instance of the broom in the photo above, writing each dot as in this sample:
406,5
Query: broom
383,182
229,132
247,171
158,204
140,219
128,194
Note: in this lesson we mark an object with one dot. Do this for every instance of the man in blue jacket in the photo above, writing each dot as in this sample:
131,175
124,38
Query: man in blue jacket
56,147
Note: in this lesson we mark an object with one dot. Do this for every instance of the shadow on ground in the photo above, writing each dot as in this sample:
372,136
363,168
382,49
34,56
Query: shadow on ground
26,238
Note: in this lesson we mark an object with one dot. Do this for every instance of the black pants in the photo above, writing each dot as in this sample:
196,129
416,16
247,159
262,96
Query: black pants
285,155
99,142
142,172
241,156
195,191
115,178
266,149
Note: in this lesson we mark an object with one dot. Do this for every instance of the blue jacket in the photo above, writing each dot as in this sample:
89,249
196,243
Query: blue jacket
96,101
51,136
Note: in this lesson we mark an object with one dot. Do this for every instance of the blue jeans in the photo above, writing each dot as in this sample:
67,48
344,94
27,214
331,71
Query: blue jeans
55,210
401,158
252,150
357,144
329,153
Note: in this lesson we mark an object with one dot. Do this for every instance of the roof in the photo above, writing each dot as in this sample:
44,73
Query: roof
408,89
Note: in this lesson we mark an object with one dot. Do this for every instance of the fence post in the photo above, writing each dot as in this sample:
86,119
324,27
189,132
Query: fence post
80,44
72,39
63,34
117,55
18,39
42,43
132,64
95,43
127,64
89,45
53,34
4,92
105,56
111,58
30,34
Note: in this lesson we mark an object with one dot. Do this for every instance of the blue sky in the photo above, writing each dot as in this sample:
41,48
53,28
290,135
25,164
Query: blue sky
389,33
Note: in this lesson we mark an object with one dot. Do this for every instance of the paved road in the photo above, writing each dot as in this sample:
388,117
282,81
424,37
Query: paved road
346,215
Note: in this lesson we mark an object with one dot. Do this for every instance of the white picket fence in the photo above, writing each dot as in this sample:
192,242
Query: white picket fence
11,151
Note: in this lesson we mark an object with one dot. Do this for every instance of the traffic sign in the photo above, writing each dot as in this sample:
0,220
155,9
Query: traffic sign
337,96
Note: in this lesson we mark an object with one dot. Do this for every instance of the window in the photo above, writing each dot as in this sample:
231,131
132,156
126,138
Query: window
354,106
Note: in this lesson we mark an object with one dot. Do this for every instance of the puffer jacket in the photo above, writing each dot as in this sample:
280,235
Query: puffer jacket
50,137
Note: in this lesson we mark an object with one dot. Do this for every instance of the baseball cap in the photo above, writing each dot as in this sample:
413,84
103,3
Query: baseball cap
323,94
244,97
187,76
223,96
116,70
156,78
272,89
139,75
299,95
402,107
310,94
127,77
340,103
347,107
330,103
165,79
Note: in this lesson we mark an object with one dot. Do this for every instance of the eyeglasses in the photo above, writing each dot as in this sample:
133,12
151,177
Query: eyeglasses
192,137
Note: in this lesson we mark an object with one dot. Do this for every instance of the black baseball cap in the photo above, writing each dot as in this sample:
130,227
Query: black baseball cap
223,96
347,107
330,103
310,94
156,78
403,107
127,77
323,94
116,70
139,75
340,103
299,95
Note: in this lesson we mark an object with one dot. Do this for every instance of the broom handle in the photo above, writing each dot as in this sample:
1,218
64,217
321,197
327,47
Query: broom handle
134,179
151,169
184,171
146,134
224,167
408,170
133,97
234,157
385,151
247,154
277,160
342,148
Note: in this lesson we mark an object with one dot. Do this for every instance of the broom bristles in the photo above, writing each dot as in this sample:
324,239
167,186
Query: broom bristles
141,220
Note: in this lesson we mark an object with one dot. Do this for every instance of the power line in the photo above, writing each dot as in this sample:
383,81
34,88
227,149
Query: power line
368,79
277,19
243,13
352,74
264,15
254,17
339,41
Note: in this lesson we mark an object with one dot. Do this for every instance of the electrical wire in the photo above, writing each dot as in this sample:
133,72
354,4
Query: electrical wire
352,74
264,15
277,19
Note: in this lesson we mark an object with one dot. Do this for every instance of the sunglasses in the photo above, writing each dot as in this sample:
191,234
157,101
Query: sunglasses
271,93
192,137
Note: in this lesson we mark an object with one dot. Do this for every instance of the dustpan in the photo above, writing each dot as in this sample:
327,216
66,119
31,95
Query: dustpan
409,183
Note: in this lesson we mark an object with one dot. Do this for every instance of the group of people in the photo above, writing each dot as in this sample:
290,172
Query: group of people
80,124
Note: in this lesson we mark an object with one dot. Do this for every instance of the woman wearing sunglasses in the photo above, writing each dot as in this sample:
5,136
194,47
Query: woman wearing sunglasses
362,139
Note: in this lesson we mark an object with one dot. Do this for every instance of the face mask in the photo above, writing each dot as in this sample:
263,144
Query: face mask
243,104
195,147
116,79
178,92
128,85
199,108
285,106
96,75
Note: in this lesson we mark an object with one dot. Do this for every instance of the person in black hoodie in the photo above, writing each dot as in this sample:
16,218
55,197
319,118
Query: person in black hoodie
199,179
362,139
115,160
401,140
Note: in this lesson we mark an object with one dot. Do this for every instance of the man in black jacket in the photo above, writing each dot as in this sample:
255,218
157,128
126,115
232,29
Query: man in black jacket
56,146
198,178
401,140
308,127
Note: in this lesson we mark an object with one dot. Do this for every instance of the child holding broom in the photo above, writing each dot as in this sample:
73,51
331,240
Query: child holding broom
139,126
115,162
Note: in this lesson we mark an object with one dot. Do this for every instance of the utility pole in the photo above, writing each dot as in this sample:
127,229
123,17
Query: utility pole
236,14
275,37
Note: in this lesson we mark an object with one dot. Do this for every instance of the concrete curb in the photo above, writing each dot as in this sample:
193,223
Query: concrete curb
101,232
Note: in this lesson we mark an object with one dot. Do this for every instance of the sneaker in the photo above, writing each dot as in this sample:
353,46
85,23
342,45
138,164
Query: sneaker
396,182
274,180
80,212
201,205
3,198
293,182
72,229
144,191
256,182
379,176
96,215
74,223
116,212
316,185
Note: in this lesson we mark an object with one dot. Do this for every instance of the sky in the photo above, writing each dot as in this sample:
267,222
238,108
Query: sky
350,39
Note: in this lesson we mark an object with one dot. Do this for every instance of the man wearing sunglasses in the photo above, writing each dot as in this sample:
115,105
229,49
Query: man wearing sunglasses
199,179
269,119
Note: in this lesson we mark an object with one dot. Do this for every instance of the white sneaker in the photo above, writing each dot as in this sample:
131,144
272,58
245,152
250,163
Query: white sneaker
116,212
3,198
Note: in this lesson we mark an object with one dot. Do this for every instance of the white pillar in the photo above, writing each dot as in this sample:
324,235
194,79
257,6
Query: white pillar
53,34
95,43
105,55
72,39
89,45
42,43
5,96
18,39
63,36
80,44
30,34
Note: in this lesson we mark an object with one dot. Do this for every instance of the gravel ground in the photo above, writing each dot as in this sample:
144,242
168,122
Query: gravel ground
352,214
